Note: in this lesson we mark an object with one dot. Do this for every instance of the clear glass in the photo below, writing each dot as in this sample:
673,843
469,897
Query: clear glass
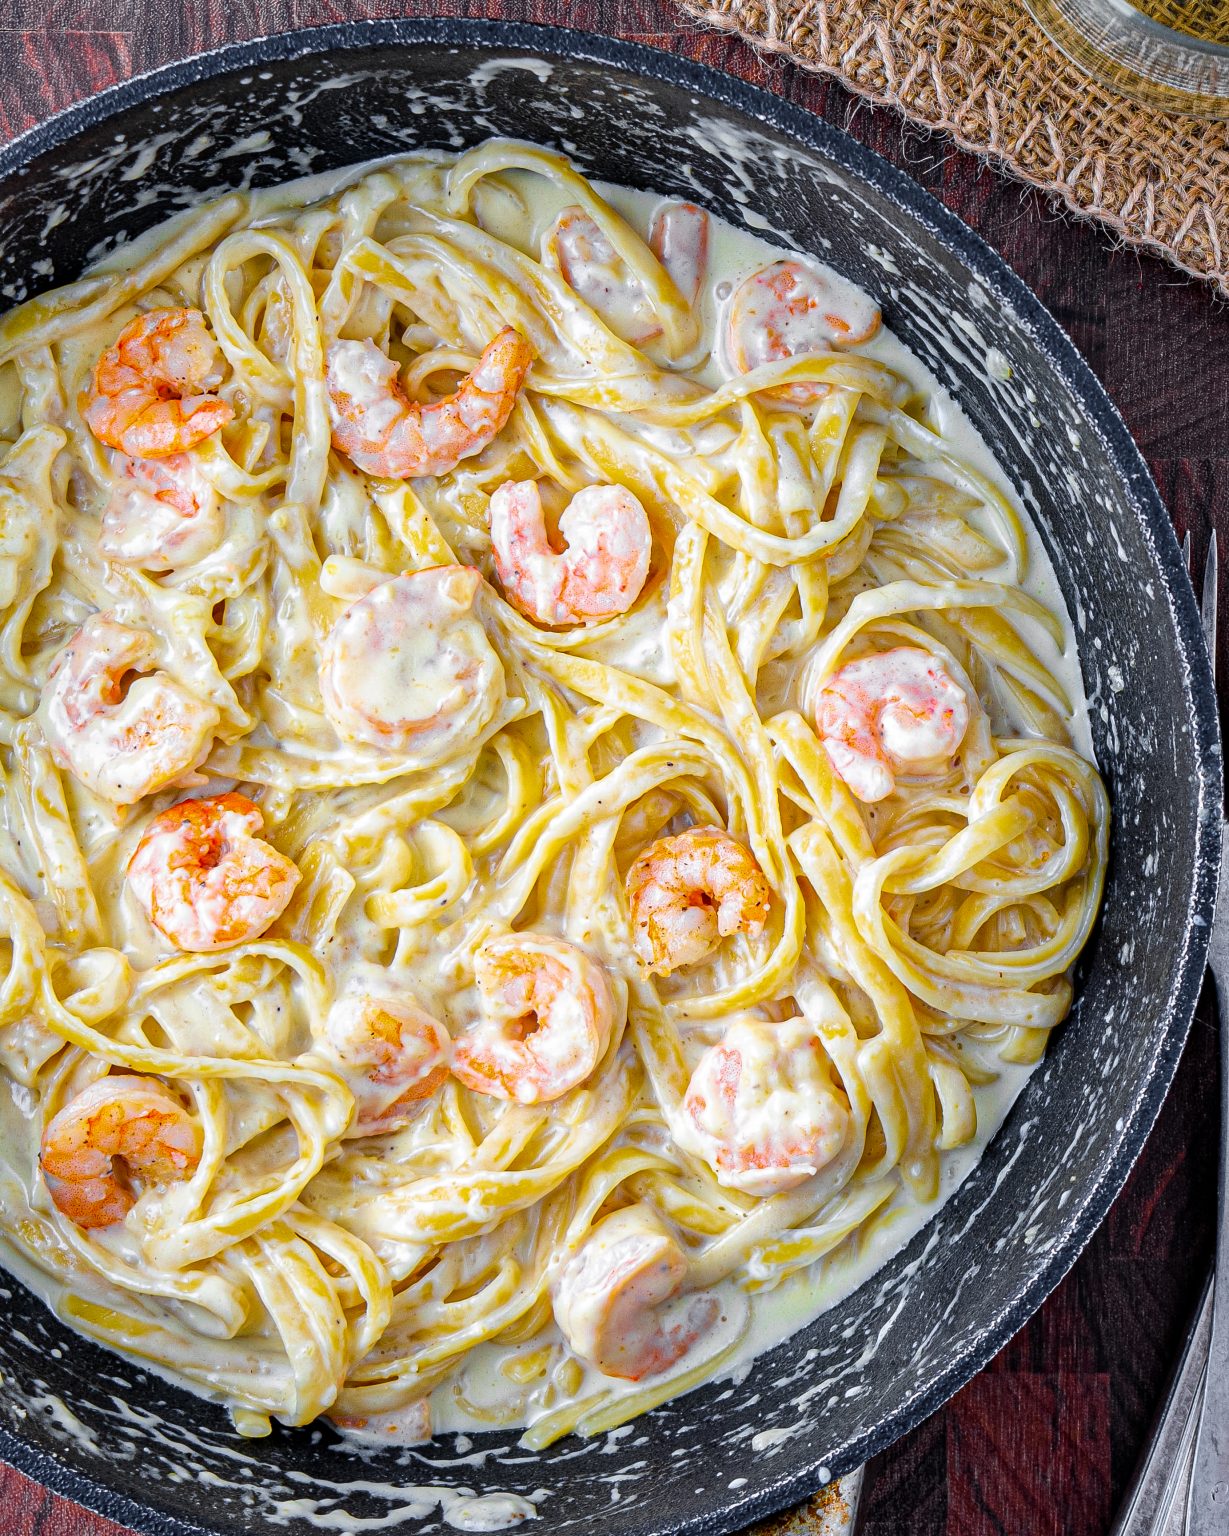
1169,53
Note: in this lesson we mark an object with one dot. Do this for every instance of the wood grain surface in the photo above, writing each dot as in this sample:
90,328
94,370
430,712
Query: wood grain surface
1044,1441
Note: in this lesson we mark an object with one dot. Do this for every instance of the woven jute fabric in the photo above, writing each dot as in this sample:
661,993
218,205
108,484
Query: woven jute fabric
984,72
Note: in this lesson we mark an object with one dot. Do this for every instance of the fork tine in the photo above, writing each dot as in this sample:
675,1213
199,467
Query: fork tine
1186,551
1207,604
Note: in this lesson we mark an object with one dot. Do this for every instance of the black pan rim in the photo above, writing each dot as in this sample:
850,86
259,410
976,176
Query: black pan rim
1100,412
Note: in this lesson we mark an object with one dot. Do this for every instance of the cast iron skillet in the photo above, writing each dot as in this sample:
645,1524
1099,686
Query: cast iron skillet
97,1429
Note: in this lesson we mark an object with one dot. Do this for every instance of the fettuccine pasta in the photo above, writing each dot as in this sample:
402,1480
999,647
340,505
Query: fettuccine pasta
539,797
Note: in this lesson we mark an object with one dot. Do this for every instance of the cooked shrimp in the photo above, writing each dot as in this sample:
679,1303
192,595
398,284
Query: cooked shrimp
610,1295
596,273
549,1013
788,309
690,891
679,240
385,433
205,877
162,513
760,1108
898,711
601,571
121,737
594,270
133,1122
408,1425
392,1053
408,668
151,394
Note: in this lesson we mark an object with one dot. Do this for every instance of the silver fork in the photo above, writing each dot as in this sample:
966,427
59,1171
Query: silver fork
1182,1485
1207,1507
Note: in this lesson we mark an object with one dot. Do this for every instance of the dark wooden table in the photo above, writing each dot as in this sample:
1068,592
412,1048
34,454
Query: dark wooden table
1044,1441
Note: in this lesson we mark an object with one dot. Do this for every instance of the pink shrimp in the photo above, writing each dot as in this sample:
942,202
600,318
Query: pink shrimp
596,273
679,239
601,571
610,1297
152,390
594,270
549,1013
393,1054
760,1108
408,668
408,1425
204,876
897,711
689,891
162,514
789,309
132,1121
115,722
385,433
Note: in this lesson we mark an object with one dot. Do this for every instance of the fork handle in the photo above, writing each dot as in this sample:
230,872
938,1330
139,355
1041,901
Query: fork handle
1163,1478
1208,1506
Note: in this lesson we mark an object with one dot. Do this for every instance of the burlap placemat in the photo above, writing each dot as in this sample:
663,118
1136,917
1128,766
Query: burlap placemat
983,71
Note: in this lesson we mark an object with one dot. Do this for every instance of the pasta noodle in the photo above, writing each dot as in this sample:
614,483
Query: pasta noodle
410,919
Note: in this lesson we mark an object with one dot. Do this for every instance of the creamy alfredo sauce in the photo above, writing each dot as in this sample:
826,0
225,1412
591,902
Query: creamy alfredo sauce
778,1312
774,1312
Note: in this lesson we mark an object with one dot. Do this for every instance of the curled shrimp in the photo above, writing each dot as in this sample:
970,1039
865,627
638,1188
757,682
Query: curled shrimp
385,433
162,513
897,711
689,891
610,1297
117,724
119,1129
678,237
593,269
788,309
601,571
151,393
760,1108
205,877
548,1015
408,668
393,1054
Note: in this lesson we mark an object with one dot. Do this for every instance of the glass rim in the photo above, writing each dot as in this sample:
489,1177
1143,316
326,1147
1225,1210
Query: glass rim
1134,55
1171,37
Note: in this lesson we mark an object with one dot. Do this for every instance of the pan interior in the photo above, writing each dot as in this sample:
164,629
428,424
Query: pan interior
145,1452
